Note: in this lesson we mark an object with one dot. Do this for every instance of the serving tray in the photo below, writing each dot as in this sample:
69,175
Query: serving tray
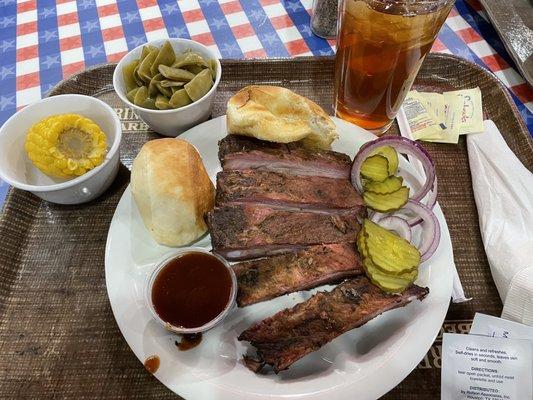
58,337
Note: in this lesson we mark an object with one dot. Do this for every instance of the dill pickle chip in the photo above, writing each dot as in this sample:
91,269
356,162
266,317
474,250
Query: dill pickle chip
388,202
386,282
375,168
391,155
389,185
388,251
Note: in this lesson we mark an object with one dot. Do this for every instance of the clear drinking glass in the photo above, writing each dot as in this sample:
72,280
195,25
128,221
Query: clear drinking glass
381,45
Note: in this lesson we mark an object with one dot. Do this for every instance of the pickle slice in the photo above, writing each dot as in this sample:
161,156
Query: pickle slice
388,251
392,157
375,168
386,282
361,245
386,202
389,185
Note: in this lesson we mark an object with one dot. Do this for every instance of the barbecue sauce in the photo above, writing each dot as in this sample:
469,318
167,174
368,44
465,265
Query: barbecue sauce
191,290
188,342
152,364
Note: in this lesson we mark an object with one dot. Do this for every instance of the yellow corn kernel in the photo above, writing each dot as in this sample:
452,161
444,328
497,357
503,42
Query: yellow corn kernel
66,145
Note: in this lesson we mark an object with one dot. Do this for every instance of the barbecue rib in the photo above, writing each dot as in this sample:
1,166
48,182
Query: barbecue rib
242,153
291,334
288,191
244,231
266,278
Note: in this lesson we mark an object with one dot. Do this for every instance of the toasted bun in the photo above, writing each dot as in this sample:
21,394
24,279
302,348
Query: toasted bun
276,114
172,190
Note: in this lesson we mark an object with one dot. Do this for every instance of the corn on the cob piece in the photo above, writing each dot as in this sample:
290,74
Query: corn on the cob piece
66,145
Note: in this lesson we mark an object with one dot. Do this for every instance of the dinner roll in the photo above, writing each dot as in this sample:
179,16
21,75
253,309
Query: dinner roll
172,191
276,114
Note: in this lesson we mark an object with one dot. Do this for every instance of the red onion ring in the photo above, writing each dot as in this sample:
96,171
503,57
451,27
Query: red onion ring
398,225
430,229
402,145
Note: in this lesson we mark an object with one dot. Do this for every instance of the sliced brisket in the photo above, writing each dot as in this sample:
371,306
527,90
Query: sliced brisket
288,191
266,278
242,153
291,334
243,231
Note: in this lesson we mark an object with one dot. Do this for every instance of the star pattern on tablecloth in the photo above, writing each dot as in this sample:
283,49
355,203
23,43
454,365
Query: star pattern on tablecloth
231,48
465,53
170,8
178,31
95,50
47,12
257,14
47,87
7,21
131,16
270,38
6,102
5,3
5,71
46,36
293,6
7,44
468,18
305,30
91,25
219,23
84,4
207,2
137,40
49,61
324,53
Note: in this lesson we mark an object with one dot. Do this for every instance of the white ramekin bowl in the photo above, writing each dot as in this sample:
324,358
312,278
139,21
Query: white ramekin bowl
18,170
171,122
208,325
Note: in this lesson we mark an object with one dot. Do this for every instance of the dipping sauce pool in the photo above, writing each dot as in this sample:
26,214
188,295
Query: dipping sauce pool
191,290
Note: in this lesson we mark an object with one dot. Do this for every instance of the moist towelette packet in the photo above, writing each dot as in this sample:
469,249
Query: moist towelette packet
478,367
503,190
488,325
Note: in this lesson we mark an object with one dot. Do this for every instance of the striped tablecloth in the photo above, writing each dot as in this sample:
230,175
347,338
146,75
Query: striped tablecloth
44,41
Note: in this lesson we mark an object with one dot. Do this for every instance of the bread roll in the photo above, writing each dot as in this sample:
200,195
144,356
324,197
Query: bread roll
172,191
276,114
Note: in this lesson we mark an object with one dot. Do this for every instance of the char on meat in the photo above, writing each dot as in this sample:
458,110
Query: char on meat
266,278
288,191
242,153
291,334
244,231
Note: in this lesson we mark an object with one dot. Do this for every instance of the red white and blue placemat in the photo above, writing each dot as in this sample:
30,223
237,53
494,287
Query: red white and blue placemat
44,41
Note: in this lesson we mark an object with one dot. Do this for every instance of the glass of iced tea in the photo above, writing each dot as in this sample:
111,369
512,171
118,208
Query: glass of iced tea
381,45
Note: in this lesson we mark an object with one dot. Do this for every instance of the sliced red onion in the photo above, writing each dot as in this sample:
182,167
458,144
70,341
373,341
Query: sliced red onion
430,229
398,225
404,146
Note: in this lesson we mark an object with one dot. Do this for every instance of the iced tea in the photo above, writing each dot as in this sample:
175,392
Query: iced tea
381,45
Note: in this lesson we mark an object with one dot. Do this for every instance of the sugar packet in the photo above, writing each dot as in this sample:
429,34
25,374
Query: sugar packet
421,120
478,367
442,118
468,110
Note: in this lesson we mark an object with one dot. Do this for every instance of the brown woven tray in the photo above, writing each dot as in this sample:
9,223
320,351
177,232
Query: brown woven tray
58,337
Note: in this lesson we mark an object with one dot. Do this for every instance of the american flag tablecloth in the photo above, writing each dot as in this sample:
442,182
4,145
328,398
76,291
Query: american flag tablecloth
45,41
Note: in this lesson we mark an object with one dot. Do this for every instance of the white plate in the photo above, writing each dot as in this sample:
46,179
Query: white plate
366,362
